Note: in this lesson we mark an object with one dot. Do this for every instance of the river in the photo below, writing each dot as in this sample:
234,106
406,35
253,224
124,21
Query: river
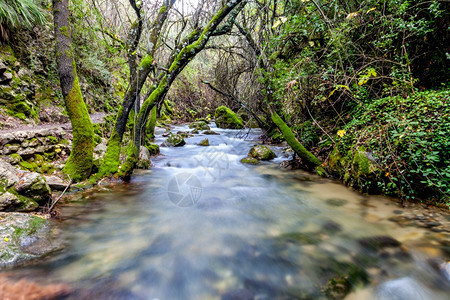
201,225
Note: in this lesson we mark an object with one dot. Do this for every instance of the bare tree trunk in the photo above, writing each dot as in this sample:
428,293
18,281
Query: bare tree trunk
79,164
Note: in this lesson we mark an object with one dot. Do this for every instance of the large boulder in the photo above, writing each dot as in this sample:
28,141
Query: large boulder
261,152
8,174
226,118
34,186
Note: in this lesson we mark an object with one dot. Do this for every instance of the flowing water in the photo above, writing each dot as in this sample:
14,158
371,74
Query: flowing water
201,225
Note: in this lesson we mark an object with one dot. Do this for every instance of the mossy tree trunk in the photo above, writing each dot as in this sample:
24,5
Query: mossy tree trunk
182,54
307,157
111,161
79,164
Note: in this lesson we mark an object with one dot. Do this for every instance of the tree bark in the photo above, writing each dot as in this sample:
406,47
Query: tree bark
79,164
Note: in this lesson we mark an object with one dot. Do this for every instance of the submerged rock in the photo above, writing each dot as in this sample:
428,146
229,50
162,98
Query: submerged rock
25,237
261,152
226,118
378,242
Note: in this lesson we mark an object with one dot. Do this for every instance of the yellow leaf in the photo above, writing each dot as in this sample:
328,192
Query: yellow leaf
352,15
311,44
387,174
341,133
373,8
276,24
6,239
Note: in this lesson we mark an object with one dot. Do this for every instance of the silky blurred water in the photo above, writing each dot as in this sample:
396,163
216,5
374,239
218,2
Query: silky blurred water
202,225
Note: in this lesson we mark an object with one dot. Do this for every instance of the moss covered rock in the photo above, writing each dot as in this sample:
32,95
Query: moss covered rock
205,142
153,149
356,167
174,140
199,125
226,118
250,161
34,186
261,152
210,132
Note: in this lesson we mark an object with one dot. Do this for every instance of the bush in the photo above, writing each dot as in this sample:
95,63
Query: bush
409,139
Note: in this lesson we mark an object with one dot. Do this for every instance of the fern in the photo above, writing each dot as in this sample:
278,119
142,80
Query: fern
19,13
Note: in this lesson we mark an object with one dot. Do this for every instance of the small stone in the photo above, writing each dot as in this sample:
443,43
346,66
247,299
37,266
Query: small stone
205,142
432,224
210,132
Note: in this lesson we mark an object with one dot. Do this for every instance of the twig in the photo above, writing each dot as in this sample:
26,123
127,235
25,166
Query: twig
60,196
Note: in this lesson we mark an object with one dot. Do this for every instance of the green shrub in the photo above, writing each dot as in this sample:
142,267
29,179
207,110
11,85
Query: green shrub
409,139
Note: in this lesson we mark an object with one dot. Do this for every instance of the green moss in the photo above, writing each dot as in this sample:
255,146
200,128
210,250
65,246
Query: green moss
261,152
26,204
289,136
110,163
250,160
175,140
205,142
126,169
30,166
16,157
152,148
64,31
52,139
226,118
33,226
150,128
167,106
79,164
64,142
146,62
199,125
